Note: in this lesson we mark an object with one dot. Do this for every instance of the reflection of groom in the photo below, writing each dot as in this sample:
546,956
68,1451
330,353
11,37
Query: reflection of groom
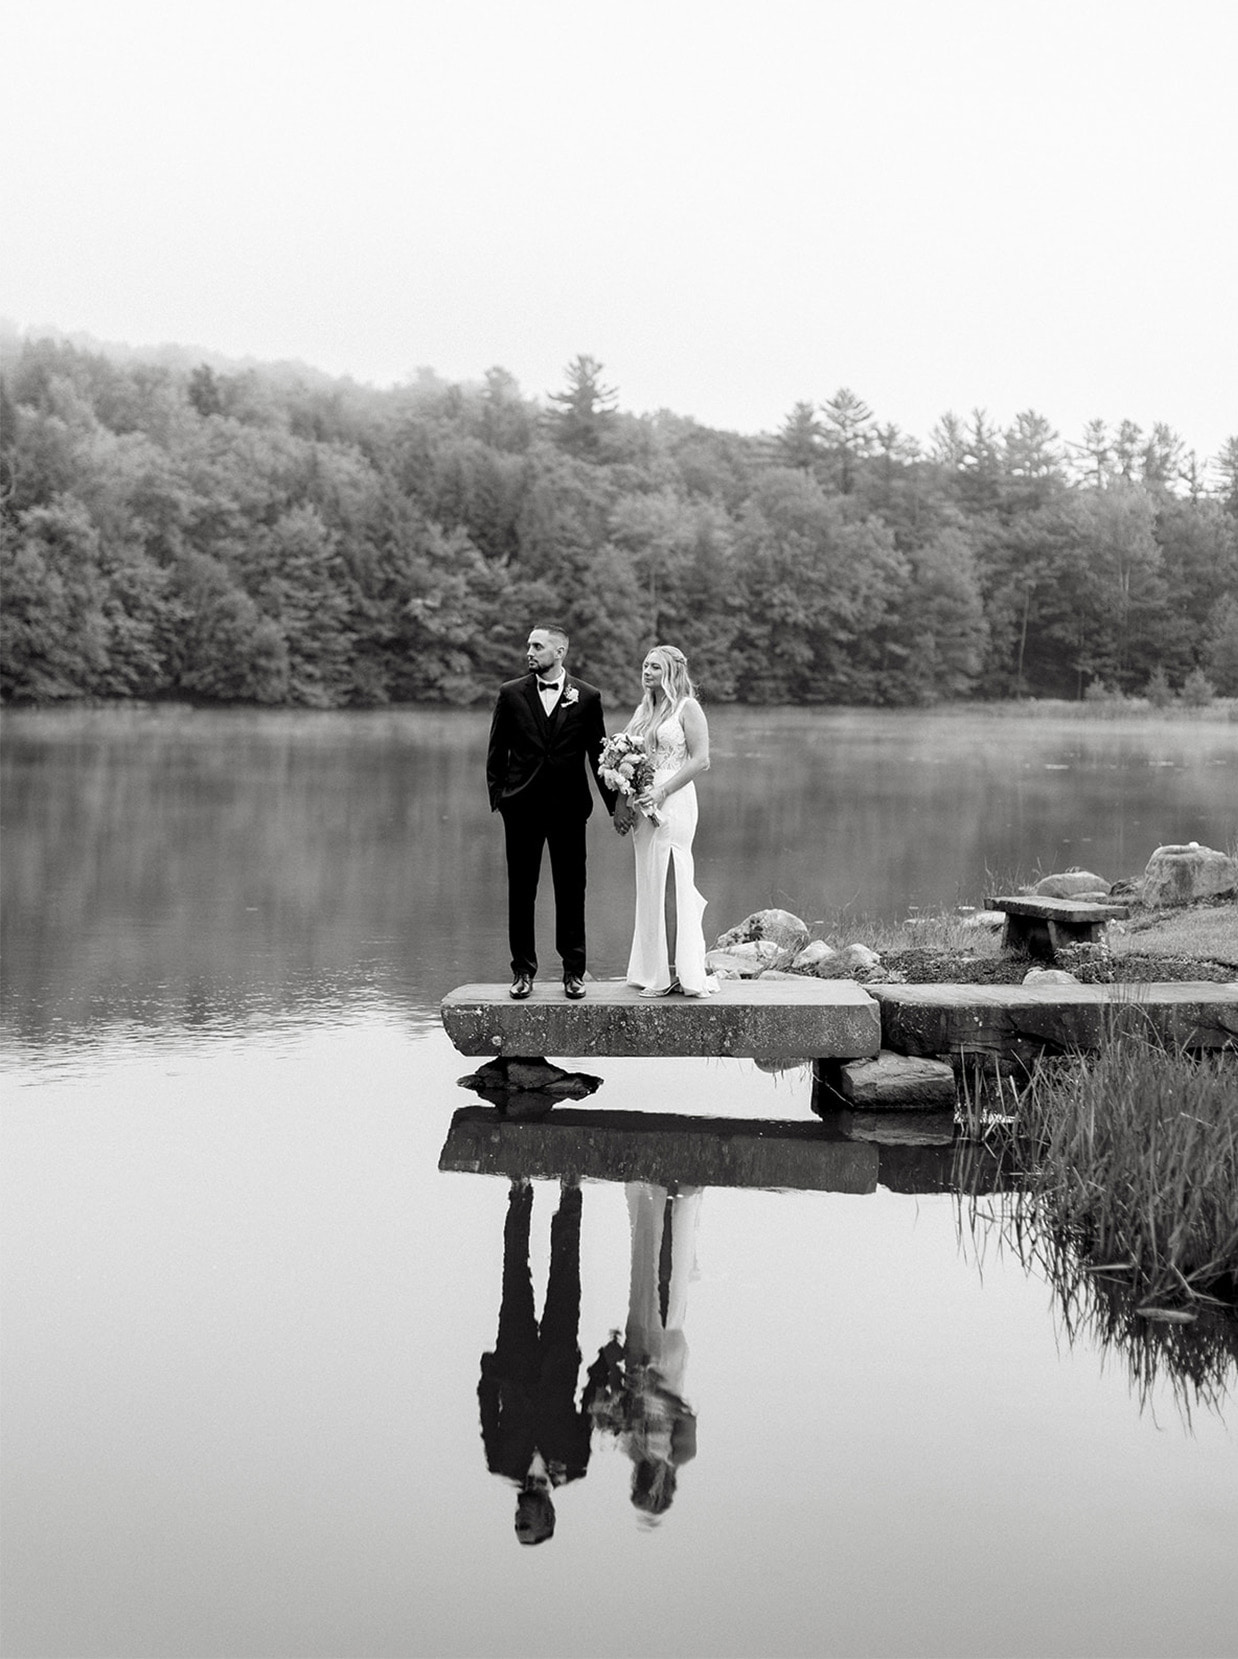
545,725
532,1429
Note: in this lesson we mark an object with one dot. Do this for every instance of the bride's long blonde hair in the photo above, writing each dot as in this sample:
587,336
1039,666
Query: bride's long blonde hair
676,687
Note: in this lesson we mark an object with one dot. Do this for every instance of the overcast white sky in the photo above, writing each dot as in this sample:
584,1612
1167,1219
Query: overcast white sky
733,205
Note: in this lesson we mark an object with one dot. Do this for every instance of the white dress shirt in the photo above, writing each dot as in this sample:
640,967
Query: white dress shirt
551,697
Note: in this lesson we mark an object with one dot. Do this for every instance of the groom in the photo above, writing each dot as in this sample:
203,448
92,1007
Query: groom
545,726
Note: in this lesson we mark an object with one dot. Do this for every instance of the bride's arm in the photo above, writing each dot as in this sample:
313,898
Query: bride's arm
696,738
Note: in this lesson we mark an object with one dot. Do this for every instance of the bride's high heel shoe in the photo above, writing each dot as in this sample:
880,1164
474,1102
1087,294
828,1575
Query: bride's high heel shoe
669,991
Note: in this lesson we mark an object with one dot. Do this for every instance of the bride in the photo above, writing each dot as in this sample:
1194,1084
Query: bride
672,726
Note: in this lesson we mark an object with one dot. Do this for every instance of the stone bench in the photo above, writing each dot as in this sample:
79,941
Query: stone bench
1040,927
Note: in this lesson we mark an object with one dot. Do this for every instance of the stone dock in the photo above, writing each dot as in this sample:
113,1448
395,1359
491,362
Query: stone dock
1023,1021
883,1046
748,1019
837,1019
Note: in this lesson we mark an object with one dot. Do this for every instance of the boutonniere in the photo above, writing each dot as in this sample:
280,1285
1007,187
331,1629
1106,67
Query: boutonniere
570,696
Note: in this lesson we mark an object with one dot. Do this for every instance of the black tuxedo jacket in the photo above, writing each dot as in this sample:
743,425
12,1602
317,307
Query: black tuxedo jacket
536,761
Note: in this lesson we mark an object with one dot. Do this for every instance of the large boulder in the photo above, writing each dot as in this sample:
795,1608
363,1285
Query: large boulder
1182,874
744,961
1071,884
815,954
897,1081
779,927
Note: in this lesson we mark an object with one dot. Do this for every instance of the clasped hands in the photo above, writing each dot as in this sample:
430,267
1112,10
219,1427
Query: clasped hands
624,816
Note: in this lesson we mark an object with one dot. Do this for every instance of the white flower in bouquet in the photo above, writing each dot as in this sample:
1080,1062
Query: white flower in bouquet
624,767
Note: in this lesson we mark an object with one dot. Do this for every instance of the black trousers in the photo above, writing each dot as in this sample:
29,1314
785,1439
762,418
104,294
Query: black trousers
529,831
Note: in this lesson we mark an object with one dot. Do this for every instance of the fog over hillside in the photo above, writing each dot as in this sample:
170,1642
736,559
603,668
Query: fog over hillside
177,524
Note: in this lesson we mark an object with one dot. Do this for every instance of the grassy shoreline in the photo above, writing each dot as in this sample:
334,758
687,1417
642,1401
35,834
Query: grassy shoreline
1205,932
1124,1162
1220,711
1134,1153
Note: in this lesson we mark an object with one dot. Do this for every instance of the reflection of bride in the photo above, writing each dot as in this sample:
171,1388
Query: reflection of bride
637,1389
673,728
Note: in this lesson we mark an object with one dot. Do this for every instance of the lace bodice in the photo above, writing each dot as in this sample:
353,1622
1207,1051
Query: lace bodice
670,749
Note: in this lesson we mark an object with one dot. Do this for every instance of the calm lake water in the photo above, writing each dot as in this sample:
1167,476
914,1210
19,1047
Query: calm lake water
245,1309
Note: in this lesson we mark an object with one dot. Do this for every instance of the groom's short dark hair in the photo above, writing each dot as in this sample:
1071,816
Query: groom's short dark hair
556,628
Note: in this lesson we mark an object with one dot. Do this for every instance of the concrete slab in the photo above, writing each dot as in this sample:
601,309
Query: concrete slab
809,1019
1025,1020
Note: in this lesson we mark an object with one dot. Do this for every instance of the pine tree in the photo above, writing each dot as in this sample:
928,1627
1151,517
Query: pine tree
584,412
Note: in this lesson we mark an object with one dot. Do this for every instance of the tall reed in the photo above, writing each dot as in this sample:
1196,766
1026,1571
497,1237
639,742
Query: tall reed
1132,1154
1119,1185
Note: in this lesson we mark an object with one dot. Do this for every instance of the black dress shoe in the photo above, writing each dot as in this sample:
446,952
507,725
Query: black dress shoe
521,986
573,987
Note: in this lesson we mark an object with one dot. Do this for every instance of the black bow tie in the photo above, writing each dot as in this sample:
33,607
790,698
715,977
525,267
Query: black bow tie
548,685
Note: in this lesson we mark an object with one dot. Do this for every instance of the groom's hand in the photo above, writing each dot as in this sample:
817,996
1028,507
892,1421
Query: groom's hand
623,815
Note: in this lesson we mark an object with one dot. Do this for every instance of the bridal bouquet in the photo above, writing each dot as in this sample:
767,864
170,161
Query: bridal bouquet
624,766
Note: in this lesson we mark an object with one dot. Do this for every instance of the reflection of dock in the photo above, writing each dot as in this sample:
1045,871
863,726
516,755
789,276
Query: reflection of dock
668,1150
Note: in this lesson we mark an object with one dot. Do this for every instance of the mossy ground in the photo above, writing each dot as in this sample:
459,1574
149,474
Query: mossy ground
1206,930
1199,942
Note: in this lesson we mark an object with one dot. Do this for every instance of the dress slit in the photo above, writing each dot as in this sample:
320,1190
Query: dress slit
655,845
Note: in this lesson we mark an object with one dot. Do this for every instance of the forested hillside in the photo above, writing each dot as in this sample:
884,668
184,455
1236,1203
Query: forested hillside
274,536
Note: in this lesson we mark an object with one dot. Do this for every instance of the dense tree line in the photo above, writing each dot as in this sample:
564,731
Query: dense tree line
278,537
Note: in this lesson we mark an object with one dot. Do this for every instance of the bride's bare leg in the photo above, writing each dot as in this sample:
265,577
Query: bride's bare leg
649,963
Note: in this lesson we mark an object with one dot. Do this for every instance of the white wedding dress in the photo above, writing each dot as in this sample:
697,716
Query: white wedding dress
655,846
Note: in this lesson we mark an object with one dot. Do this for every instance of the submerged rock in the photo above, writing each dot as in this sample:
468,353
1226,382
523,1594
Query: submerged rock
528,1087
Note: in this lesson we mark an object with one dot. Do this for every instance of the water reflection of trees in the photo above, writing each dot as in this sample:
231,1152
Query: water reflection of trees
171,867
